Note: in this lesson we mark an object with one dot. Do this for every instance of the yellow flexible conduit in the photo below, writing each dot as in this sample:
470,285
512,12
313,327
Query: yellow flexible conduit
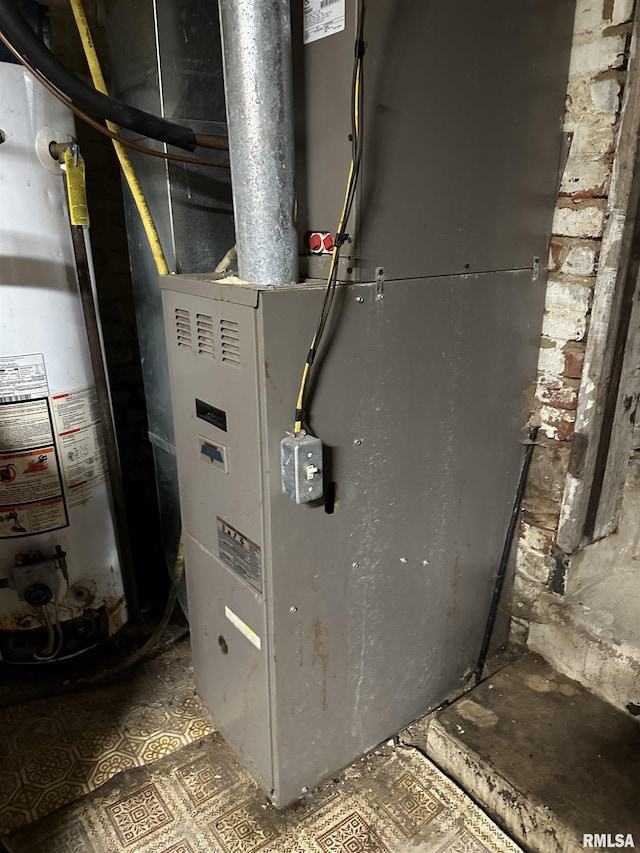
123,157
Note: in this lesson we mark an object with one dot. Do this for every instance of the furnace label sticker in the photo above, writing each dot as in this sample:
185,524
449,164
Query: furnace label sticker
248,632
322,18
242,555
80,443
23,377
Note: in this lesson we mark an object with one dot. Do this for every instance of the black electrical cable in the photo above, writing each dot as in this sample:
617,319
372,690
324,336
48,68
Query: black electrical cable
506,551
19,33
356,156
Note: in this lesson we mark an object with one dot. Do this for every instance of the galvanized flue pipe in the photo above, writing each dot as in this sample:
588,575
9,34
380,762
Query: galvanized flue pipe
256,40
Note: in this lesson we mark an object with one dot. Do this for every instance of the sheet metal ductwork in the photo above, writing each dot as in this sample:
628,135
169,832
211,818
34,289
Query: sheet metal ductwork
166,59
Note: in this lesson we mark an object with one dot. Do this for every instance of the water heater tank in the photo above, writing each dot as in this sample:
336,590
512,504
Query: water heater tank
61,587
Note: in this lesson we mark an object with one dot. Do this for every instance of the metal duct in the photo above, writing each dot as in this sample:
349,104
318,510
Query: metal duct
256,39
166,58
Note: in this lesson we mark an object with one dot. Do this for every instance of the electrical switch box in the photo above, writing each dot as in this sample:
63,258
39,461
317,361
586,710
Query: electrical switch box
301,461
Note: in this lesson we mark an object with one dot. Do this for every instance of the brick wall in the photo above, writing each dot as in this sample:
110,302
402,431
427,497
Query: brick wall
109,244
594,93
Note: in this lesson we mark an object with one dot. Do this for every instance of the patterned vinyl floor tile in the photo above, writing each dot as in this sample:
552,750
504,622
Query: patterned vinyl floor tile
199,799
54,751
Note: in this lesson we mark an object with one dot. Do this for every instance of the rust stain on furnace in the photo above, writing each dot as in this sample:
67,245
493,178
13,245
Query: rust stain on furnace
321,654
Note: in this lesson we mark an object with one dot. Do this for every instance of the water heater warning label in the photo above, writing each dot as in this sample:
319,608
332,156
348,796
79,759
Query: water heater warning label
240,554
31,495
80,442
38,517
22,377
322,18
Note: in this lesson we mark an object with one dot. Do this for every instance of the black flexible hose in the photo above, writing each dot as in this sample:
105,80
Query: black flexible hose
19,32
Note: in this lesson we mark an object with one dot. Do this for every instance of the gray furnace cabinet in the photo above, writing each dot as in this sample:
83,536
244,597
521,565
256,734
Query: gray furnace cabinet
320,630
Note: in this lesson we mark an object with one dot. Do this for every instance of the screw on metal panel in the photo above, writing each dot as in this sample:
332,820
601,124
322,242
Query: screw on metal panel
309,455
304,790
357,442
355,565
359,298
426,563
293,609
403,560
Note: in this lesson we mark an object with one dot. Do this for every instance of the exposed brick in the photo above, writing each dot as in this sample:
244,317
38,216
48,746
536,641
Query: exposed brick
580,261
594,140
555,253
589,16
545,487
573,354
566,308
533,538
597,78
558,394
605,95
585,178
580,219
550,358
533,564
598,54
557,424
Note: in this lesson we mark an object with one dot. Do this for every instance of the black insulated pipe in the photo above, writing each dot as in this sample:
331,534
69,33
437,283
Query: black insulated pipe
19,33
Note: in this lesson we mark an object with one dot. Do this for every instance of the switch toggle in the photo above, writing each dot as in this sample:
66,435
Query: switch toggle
311,471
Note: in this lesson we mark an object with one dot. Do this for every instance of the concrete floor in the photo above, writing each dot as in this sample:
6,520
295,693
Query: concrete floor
547,758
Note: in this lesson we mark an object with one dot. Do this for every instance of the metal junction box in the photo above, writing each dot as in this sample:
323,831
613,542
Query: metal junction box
320,630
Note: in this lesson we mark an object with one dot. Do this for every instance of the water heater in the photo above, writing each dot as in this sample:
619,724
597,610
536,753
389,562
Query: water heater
61,588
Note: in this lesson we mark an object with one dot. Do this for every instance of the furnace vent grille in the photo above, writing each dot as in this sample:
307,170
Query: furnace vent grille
183,328
230,342
204,327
